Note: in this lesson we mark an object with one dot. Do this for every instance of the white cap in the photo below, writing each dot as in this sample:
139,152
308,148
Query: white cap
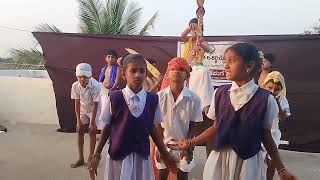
83,69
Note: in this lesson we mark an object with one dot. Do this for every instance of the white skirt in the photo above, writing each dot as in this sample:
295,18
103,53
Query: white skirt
226,165
133,167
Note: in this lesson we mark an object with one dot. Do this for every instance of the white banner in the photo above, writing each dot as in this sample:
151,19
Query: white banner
214,61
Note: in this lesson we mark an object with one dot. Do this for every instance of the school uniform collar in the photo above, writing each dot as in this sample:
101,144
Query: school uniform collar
130,94
185,91
248,88
185,94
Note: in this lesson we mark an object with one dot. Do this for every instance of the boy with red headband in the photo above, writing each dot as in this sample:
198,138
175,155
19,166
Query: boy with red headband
181,109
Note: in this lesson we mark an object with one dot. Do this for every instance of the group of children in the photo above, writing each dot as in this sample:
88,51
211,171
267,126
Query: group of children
245,119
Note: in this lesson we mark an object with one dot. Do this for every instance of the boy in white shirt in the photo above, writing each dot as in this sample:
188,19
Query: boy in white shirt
181,109
86,93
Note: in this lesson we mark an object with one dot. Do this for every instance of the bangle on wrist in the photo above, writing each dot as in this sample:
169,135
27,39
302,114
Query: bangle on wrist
190,144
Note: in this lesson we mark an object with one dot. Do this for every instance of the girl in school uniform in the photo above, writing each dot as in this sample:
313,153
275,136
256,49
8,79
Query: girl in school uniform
243,115
275,83
131,115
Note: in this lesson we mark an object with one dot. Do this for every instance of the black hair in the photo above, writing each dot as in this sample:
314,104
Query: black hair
125,55
193,20
122,58
247,52
269,57
112,52
133,58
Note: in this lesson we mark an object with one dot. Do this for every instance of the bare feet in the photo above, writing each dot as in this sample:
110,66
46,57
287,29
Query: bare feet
77,164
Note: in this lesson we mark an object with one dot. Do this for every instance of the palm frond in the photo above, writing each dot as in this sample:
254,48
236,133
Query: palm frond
150,24
131,20
45,27
119,8
91,12
26,56
112,17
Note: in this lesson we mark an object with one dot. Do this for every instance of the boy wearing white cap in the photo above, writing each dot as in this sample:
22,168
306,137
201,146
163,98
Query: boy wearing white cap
86,93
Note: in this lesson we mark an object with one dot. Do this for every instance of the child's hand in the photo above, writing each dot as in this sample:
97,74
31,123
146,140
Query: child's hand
193,26
287,176
120,61
170,162
93,166
181,144
187,154
79,129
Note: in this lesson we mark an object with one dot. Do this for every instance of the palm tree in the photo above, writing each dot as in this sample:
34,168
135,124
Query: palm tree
96,17
112,17
33,55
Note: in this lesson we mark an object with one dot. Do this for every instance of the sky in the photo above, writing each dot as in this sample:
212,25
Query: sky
227,17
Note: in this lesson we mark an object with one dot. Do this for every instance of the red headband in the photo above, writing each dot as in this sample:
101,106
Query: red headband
177,64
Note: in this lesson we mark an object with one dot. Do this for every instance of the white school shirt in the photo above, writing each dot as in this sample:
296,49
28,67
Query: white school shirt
87,95
132,167
178,115
239,96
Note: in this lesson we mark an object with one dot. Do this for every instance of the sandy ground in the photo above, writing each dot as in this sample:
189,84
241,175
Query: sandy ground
27,100
36,152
